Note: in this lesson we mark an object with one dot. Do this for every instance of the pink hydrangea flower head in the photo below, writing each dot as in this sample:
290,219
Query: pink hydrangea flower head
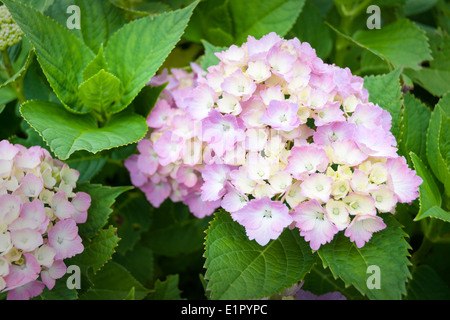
39,212
272,130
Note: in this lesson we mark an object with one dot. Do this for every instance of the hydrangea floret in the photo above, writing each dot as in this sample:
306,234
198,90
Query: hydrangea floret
39,213
277,138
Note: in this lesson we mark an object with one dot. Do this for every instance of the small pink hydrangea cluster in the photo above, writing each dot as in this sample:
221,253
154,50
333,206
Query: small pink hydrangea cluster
39,213
278,138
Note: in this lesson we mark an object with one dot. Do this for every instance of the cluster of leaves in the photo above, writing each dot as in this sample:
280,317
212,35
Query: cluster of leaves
82,94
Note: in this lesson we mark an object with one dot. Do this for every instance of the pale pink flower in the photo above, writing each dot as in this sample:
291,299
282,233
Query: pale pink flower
64,238
263,219
81,203
306,159
53,273
314,224
147,161
27,291
317,186
214,176
402,180
362,227
281,115
239,85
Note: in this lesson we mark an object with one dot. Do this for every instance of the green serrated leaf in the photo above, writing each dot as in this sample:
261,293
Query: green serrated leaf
210,59
414,125
66,132
103,197
238,268
40,5
137,50
387,249
438,143
98,20
63,70
100,92
429,195
97,251
114,282
401,42
97,64
21,64
166,290
385,90
436,77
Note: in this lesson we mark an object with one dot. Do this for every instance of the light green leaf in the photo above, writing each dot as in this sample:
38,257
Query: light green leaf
98,20
238,268
137,50
387,249
66,133
402,43
385,90
20,64
114,282
40,5
100,92
103,197
438,142
429,195
97,64
416,117
210,59
64,69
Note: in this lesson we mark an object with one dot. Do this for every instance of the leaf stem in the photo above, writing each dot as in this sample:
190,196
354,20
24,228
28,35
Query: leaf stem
18,84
